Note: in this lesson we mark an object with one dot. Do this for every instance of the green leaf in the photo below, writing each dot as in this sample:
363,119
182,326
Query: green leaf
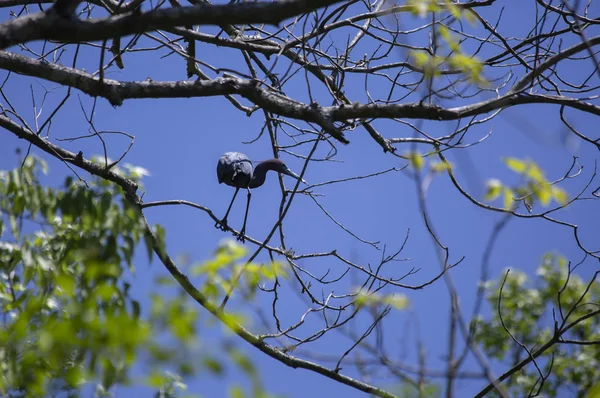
242,361
109,376
136,308
528,168
74,376
106,291
454,10
397,301
559,195
438,167
156,380
232,249
516,165
421,58
18,204
544,193
535,173
14,227
136,172
508,199
445,33
416,160
236,392
165,281
105,202
160,234
494,189
213,365
70,317
594,392
149,247
66,285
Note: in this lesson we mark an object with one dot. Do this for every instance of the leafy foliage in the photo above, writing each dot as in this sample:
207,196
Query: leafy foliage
534,186
223,272
528,313
63,298
396,301
455,58
68,318
418,161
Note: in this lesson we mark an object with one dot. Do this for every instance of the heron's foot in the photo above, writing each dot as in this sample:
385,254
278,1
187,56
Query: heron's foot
242,236
222,225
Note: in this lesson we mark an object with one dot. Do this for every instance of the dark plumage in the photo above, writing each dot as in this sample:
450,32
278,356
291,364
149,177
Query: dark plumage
235,169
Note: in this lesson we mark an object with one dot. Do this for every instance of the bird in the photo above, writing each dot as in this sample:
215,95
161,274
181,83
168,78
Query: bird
235,169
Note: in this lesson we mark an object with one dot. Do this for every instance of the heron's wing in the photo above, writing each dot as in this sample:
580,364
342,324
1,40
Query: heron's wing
235,169
243,173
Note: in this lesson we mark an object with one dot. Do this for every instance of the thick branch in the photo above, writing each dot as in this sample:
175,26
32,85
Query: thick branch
434,112
50,25
116,92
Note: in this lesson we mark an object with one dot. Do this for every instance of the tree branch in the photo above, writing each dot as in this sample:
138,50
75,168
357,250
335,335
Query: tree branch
116,92
50,25
130,187
550,62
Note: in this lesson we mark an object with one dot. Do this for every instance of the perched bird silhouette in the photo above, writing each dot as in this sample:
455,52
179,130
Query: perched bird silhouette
235,169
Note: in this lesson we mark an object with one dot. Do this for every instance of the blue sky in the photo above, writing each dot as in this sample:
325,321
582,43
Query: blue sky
180,140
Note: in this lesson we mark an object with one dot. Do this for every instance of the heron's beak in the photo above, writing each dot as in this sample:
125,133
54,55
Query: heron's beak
289,172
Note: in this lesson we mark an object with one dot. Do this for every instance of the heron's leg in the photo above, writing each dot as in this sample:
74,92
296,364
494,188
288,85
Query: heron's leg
222,225
242,235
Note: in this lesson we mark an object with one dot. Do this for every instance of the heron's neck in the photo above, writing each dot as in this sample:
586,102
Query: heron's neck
260,172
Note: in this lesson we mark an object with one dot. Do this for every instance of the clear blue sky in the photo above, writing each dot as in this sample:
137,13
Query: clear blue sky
180,140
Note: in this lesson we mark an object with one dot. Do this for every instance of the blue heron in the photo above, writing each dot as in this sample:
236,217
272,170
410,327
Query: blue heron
235,169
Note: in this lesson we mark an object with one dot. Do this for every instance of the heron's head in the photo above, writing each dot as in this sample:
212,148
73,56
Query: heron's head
283,169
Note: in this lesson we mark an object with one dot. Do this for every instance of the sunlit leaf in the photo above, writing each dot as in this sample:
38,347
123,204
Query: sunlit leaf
66,284
508,199
68,300
494,189
534,172
594,392
543,193
470,66
418,7
236,392
156,380
136,172
515,164
75,376
233,249
454,10
106,291
416,160
438,167
397,301
559,195
14,226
